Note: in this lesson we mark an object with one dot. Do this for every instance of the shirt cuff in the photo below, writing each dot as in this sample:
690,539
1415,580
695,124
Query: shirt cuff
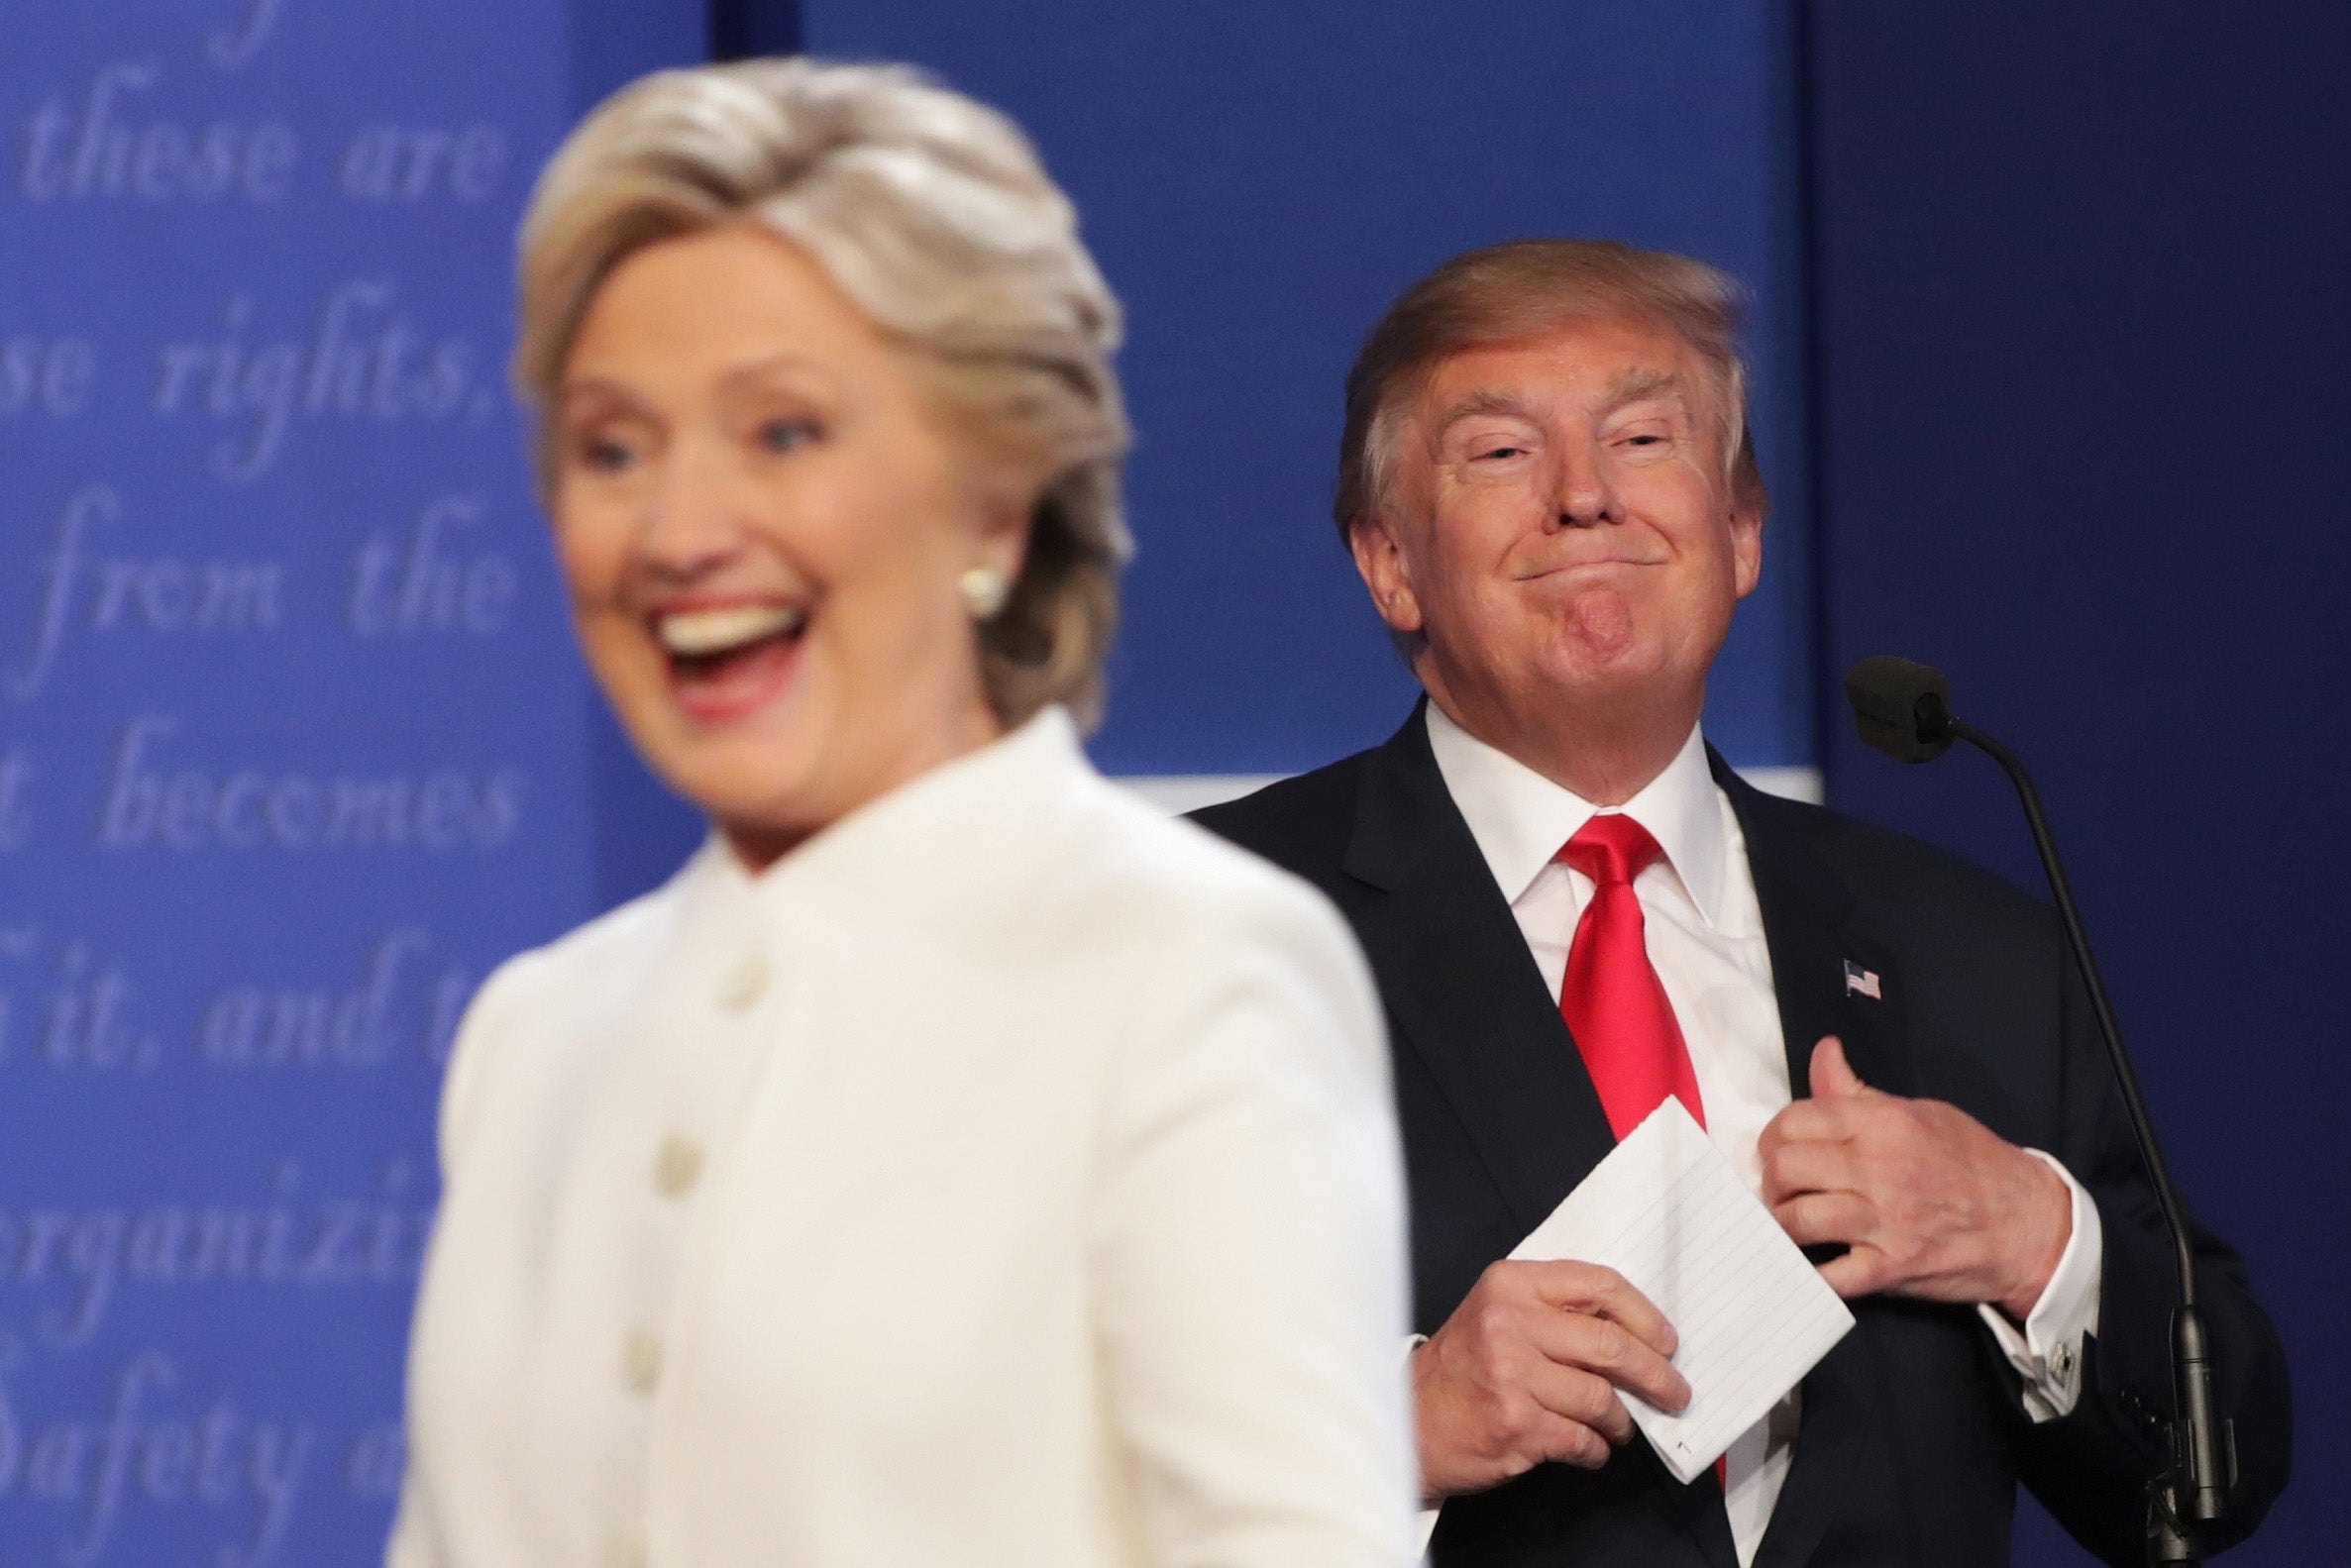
2047,1352
1413,1342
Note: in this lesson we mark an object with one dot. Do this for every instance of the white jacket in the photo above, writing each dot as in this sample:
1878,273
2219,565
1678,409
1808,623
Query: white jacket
1007,1177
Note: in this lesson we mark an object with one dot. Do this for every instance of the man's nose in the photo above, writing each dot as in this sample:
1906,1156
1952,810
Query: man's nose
692,519
1581,493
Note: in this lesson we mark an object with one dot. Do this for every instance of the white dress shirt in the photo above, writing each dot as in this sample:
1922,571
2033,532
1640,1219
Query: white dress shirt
1004,1177
1705,936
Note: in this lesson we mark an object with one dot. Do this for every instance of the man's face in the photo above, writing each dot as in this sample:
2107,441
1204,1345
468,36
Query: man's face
1560,532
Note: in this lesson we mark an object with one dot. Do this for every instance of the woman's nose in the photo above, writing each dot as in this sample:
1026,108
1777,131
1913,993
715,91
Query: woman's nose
692,518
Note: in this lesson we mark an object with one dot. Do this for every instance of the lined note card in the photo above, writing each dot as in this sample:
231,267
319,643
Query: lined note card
1666,1212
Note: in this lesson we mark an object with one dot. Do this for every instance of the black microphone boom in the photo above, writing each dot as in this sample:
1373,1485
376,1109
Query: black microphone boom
1903,709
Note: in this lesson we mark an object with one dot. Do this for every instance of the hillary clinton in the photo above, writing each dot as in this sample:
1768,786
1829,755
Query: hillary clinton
955,1162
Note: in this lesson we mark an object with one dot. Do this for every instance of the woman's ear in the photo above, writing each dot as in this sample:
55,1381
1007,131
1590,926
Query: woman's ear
1004,508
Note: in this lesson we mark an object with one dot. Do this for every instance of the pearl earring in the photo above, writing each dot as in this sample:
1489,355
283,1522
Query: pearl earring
984,591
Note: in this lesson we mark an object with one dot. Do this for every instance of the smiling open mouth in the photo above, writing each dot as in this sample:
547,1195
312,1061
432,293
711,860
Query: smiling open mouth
728,659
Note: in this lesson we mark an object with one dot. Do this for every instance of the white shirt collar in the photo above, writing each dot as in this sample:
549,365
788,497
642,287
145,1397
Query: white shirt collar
1521,820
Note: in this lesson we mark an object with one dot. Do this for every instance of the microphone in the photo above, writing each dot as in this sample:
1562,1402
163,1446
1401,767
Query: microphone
1903,709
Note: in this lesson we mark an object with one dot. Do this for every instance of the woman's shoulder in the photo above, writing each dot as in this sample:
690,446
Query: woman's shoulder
528,1018
578,980
579,970
1121,860
1236,968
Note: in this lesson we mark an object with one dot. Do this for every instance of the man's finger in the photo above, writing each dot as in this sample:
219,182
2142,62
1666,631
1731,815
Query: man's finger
1607,1348
1809,1166
1833,1076
1583,1397
1599,1291
1860,1272
1571,1443
1833,1120
1592,1289
1824,1219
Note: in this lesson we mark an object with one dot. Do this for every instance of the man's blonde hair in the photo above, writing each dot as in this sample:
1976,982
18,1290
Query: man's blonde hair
935,216
1507,293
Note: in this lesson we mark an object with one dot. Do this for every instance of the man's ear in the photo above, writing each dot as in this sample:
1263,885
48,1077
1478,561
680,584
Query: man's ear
1747,547
1380,563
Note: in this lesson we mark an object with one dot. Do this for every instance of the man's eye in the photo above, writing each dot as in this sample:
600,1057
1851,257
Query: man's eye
1503,452
786,435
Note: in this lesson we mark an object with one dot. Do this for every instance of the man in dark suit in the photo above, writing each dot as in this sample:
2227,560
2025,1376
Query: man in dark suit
1574,908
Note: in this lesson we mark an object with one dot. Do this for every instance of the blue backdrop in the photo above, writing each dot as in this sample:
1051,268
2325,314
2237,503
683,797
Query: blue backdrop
2084,428
293,746
1258,181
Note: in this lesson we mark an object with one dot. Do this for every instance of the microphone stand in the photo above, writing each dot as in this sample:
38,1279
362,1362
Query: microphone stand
2193,1490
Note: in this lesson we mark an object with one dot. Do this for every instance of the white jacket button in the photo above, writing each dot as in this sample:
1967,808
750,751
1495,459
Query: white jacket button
640,1360
679,1165
741,985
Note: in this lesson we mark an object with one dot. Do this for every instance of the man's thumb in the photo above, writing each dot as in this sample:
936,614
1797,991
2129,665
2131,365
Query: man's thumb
1832,1074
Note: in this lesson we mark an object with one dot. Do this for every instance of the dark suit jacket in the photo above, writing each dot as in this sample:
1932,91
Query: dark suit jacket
1913,1437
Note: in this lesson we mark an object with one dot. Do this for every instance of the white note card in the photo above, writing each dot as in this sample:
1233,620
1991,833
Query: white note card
1667,1213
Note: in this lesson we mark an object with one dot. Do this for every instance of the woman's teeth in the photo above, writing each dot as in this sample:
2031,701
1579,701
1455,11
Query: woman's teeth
697,634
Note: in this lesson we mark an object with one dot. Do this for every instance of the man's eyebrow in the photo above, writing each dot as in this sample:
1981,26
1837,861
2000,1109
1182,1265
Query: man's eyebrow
1633,385
1483,401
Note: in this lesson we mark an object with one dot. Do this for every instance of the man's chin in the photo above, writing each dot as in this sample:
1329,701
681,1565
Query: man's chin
1631,676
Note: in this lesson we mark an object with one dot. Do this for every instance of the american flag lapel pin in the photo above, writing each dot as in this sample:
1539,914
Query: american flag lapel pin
1863,981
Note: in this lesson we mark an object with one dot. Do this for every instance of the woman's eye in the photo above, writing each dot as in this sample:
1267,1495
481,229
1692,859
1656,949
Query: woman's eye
786,435
605,455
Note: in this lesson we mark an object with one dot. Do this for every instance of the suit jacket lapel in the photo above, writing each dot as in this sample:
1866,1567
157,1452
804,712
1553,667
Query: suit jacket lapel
1822,969
1466,998
1463,990
1821,961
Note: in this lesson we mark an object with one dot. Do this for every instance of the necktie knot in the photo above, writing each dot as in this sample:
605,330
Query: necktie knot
1611,849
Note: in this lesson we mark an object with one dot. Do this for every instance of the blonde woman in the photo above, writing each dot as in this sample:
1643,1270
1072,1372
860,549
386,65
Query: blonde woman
955,1162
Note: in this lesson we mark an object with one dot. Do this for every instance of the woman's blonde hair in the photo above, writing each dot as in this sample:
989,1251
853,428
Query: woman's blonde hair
933,215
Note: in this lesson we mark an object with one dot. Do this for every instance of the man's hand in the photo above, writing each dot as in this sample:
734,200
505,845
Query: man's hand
1527,1370
1931,1203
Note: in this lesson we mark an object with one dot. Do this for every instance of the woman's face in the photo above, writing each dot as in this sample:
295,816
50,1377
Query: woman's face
763,521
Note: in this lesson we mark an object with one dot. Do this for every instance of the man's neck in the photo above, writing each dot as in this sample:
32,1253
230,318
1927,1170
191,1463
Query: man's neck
1603,756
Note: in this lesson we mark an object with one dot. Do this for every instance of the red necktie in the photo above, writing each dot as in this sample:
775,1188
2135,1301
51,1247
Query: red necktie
1613,1003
